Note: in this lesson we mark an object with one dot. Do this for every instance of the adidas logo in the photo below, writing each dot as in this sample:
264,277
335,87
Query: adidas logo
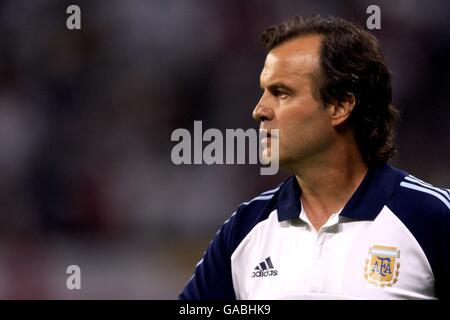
264,269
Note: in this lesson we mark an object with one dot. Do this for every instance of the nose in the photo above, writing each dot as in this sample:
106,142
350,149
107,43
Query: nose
263,111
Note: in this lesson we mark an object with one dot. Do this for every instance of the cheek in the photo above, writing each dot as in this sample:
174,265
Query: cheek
296,121
301,128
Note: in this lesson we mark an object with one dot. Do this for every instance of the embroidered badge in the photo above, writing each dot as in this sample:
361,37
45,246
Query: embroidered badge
383,267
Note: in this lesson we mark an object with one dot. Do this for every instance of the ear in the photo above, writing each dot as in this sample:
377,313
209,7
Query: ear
340,110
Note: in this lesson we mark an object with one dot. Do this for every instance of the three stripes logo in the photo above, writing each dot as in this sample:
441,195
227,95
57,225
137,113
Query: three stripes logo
416,184
264,269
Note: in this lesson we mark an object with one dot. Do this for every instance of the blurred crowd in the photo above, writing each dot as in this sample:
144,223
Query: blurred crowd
86,117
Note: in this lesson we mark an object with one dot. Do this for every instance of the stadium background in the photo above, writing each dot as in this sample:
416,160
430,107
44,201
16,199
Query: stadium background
86,118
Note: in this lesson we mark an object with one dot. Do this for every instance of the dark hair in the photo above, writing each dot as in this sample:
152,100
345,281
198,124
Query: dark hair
351,62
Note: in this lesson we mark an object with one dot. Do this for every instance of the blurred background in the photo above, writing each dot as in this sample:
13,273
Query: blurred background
86,117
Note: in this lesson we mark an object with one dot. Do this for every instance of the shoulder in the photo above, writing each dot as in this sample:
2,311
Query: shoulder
248,215
425,210
421,206
415,197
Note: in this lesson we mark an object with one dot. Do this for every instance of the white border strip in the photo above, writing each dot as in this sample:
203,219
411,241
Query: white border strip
426,190
427,185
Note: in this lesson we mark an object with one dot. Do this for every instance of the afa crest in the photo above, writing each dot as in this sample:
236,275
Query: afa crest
383,267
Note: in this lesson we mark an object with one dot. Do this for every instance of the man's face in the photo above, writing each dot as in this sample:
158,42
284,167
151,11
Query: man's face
288,102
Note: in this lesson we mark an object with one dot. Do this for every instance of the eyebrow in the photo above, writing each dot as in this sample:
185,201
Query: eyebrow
277,85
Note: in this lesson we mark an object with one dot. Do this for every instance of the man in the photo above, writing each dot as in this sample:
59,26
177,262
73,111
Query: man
345,225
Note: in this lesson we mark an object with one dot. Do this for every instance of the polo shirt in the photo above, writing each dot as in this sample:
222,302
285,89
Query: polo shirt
391,240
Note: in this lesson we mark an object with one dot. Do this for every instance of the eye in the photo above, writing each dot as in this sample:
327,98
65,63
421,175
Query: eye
280,94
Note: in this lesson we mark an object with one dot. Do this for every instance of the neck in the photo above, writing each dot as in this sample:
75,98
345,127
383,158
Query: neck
328,183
